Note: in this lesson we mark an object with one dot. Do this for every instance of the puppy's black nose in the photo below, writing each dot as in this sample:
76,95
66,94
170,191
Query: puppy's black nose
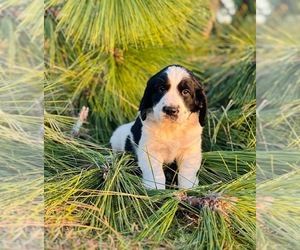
169,110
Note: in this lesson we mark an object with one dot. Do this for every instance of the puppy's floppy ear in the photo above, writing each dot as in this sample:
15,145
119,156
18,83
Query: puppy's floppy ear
146,102
200,102
202,106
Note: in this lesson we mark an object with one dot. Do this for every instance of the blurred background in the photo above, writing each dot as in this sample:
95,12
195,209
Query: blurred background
277,127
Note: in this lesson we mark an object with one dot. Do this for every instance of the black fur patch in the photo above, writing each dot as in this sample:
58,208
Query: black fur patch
128,145
156,88
195,101
136,130
189,99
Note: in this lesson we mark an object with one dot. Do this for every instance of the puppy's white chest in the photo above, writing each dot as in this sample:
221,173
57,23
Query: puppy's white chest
170,141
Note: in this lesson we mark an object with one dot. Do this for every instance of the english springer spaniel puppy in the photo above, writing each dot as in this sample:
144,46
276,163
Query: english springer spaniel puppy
168,128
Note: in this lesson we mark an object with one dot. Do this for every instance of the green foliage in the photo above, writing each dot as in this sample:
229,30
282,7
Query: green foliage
95,198
109,199
130,23
93,59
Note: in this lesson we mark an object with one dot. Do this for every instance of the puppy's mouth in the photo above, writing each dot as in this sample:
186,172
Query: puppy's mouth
172,118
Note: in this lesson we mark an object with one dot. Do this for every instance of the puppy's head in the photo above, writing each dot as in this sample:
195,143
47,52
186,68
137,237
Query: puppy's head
173,94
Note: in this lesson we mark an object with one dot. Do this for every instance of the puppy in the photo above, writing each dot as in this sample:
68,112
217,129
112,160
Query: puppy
168,128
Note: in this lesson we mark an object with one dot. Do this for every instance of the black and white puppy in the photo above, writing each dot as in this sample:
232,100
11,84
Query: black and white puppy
168,128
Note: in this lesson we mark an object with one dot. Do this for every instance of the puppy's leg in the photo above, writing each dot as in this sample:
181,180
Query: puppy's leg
152,169
189,165
171,173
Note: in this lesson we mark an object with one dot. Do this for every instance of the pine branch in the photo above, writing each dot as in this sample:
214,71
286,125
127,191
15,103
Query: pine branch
83,114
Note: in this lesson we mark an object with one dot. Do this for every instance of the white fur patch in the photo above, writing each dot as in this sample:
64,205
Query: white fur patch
118,139
176,74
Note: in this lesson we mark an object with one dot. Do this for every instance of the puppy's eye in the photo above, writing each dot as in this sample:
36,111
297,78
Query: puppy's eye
185,92
161,89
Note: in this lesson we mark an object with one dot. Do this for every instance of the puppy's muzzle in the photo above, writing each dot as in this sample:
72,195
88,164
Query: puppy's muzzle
171,111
